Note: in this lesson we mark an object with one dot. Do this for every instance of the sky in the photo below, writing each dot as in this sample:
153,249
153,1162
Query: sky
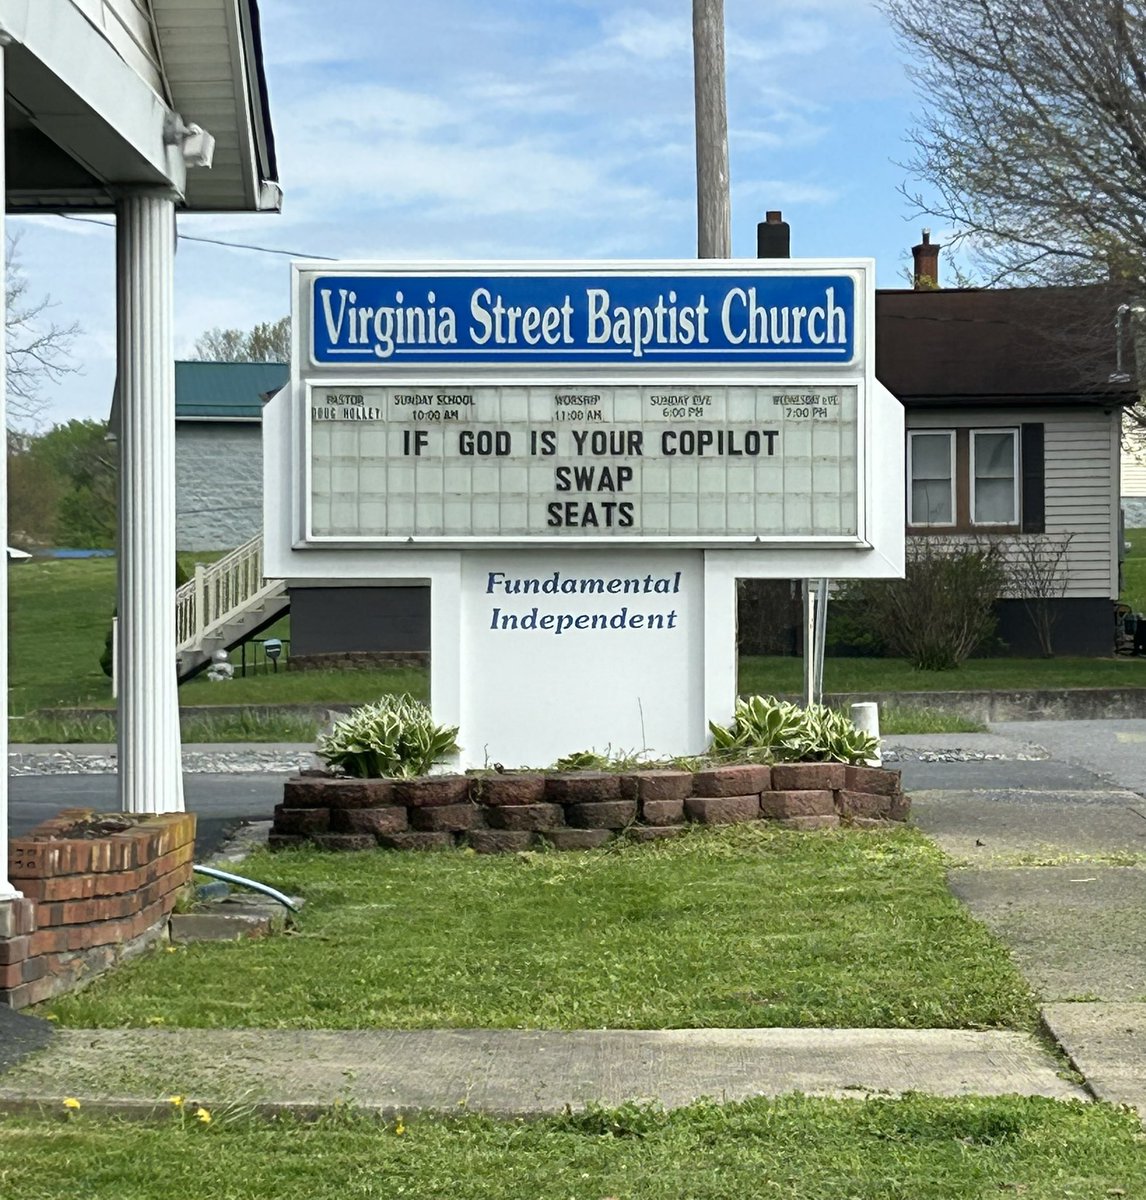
454,130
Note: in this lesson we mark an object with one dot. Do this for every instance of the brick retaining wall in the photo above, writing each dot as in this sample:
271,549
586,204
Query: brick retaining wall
576,810
89,902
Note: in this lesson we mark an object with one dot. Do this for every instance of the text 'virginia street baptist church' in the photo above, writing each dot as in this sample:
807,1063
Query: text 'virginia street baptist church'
690,318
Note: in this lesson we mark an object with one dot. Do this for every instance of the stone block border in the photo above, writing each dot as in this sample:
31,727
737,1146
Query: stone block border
91,897
570,810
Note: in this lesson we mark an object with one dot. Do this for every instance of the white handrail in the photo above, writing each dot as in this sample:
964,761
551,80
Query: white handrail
217,591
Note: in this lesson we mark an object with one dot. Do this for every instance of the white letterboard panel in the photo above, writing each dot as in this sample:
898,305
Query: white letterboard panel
481,460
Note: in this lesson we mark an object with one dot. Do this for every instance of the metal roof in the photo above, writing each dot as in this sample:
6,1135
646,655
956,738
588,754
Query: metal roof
225,391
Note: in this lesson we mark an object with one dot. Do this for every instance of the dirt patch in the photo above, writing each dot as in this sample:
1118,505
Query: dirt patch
98,825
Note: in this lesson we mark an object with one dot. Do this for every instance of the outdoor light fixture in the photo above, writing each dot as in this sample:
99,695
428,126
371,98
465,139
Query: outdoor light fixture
196,144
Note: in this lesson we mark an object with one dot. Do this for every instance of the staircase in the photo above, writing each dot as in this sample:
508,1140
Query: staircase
224,604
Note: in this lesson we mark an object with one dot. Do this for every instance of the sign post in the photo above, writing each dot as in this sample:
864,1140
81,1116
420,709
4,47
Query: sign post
581,459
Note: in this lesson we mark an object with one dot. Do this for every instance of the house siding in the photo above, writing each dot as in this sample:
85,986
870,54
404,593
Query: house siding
1133,475
218,483
1081,483
127,26
1134,486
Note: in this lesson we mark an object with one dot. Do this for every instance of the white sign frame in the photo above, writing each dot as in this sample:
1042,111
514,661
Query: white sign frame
858,372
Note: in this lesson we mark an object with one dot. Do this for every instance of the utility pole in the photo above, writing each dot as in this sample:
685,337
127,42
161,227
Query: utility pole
713,216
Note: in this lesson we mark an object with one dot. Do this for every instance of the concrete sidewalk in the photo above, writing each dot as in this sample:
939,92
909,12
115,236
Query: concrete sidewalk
1050,836
521,1073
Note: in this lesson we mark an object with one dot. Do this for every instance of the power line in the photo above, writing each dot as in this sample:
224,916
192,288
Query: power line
188,237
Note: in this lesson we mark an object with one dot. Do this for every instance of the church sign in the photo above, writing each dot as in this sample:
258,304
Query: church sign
685,405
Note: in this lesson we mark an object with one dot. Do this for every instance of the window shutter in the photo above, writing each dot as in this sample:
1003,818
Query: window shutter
1033,494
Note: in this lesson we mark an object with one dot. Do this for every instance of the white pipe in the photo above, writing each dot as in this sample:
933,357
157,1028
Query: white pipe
809,643
253,884
821,641
865,717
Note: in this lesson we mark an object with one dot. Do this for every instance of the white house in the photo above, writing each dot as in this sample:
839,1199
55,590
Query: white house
1014,400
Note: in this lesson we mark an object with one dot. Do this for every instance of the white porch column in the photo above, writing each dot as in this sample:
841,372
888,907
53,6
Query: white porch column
7,891
150,770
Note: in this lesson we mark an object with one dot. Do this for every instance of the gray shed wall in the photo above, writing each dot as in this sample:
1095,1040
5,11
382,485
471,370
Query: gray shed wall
218,484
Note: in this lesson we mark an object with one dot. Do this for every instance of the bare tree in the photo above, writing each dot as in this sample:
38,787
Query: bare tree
1038,572
268,342
38,351
1033,132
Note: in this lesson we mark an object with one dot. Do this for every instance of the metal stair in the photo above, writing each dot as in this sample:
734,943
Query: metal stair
225,603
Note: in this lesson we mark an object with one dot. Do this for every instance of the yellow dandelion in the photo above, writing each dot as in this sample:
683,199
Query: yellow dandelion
71,1103
175,1101
201,1114
399,1128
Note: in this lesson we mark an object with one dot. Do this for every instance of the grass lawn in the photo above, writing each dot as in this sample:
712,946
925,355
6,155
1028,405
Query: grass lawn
738,926
60,614
769,675
899,718
916,1148
308,687
1134,571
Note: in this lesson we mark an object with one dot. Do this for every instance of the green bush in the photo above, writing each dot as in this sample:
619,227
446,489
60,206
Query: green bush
395,738
772,730
938,615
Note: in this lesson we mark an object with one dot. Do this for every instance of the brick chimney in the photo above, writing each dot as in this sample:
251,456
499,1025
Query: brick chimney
773,236
926,264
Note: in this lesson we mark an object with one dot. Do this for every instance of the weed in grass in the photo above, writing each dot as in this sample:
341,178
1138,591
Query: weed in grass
249,727
897,718
226,727
39,728
1052,857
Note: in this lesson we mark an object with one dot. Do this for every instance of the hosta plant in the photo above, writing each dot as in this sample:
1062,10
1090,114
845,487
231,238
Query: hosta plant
395,738
772,730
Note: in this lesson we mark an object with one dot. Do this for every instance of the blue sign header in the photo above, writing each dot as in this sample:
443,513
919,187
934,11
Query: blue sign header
683,318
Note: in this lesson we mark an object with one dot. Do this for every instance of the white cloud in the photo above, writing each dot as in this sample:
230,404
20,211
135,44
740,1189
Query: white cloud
644,35
799,38
777,192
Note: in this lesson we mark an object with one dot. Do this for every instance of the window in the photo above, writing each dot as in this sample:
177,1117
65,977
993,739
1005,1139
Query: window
963,480
931,469
994,476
